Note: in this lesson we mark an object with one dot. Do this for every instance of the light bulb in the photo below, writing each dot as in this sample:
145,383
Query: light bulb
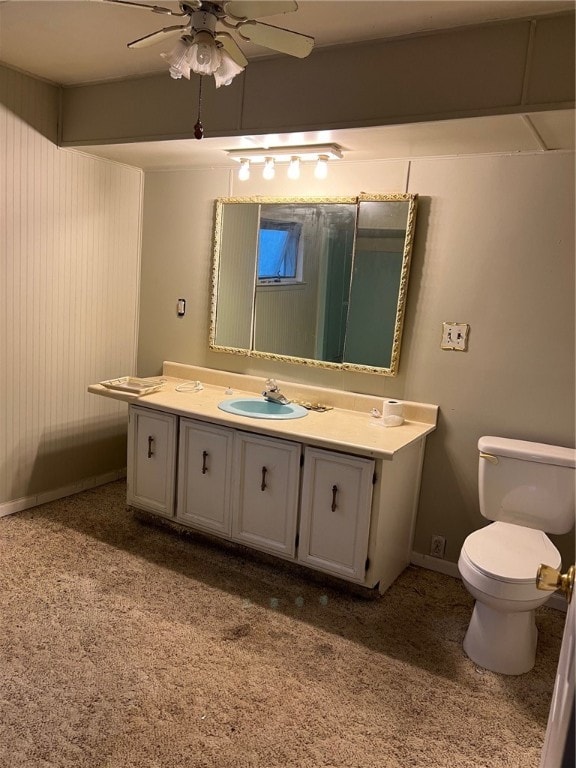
244,172
204,54
268,172
321,170
294,168
204,57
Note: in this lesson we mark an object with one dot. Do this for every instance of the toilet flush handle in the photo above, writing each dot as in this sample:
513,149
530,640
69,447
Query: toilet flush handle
549,578
489,457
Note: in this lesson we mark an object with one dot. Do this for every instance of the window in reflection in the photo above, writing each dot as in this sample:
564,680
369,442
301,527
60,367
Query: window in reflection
278,251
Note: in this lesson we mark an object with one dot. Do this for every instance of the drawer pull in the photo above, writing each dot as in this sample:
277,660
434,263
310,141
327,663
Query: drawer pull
204,457
263,485
150,444
334,492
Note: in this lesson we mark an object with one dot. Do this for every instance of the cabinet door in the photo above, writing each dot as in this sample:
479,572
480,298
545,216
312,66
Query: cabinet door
204,462
335,513
265,498
151,460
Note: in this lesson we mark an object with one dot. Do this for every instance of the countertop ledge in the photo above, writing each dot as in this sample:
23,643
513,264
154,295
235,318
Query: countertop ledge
348,427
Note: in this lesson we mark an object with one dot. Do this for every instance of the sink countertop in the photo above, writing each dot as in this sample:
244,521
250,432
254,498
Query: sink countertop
350,430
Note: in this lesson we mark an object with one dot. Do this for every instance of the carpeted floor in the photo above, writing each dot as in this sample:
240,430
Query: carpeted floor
124,645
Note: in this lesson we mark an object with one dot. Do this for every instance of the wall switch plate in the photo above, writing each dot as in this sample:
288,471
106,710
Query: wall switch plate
455,336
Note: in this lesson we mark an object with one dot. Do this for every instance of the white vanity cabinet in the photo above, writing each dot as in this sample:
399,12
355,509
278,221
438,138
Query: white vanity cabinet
335,513
335,492
346,515
266,484
204,471
151,460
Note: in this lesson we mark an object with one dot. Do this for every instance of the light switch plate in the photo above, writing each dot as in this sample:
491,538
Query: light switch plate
455,336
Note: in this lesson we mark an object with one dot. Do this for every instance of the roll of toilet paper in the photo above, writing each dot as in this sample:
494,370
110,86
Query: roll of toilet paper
392,413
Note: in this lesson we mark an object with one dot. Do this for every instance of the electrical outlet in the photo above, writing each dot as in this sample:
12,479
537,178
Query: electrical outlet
437,546
455,336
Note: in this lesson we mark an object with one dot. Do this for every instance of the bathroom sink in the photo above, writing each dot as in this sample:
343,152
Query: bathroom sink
258,408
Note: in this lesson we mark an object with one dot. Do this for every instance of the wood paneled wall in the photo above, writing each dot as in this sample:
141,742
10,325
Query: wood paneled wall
69,278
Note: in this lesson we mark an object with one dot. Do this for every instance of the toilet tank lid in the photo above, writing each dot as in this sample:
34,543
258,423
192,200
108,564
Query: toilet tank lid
527,451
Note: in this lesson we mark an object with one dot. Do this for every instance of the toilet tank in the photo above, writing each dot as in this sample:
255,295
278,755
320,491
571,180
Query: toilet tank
530,484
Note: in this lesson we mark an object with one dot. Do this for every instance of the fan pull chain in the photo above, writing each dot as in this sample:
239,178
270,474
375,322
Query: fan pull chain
199,128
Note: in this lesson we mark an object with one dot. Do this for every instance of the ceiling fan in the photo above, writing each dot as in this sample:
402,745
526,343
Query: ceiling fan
206,46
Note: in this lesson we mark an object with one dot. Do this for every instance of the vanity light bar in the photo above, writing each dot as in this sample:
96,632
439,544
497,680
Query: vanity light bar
285,154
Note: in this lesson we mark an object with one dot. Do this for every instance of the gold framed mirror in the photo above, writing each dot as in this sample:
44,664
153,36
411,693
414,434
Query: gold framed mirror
313,281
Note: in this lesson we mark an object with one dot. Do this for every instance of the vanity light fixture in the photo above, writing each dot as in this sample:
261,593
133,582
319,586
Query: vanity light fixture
321,154
269,170
321,170
244,172
294,168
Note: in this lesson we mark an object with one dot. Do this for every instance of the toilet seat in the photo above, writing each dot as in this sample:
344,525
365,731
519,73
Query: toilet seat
510,553
501,560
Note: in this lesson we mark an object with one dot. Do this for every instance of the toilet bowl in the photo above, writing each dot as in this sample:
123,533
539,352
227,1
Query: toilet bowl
527,489
498,564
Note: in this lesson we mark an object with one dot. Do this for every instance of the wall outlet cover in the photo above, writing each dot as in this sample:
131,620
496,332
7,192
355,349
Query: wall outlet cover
455,336
437,546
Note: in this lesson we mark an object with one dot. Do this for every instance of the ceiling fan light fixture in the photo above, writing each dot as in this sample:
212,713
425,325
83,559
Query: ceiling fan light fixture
206,49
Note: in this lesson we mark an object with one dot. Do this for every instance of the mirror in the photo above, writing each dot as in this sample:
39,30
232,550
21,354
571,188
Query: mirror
315,281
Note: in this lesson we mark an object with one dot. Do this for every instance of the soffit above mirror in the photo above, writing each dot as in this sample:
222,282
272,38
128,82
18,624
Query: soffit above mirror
554,130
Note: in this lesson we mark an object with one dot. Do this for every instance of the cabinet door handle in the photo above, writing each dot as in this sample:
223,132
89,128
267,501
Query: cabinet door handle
263,485
204,457
334,492
150,444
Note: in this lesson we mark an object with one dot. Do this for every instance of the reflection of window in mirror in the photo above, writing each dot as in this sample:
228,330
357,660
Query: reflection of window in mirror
279,252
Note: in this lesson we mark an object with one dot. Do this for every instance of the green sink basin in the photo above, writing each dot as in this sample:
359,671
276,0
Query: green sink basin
258,408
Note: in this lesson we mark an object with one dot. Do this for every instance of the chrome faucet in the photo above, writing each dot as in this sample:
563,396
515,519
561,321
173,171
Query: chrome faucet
272,393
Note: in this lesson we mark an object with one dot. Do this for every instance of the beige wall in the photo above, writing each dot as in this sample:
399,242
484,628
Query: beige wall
494,248
69,262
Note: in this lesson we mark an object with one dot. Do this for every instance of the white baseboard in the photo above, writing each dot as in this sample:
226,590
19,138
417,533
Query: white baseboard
556,600
435,564
27,502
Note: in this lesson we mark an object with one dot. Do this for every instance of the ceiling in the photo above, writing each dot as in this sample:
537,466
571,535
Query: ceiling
71,42
74,42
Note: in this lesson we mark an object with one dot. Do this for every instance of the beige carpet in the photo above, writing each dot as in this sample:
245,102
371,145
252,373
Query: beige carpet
124,645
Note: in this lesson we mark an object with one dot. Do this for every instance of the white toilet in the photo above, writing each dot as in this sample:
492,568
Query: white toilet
527,488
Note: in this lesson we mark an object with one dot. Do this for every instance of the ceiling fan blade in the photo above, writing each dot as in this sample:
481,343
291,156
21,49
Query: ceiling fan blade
153,8
276,38
157,37
253,9
231,47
